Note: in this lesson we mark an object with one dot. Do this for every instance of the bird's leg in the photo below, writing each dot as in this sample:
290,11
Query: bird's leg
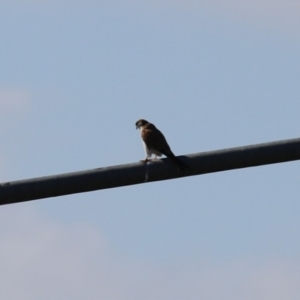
145,160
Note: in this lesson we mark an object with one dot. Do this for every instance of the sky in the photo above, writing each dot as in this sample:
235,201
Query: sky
76,76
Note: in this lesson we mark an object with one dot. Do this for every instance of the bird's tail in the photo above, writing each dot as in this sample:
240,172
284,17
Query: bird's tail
177,161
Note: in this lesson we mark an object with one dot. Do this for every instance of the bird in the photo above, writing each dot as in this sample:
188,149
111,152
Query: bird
155,143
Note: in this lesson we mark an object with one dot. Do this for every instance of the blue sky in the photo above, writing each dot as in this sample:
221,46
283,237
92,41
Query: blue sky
75,77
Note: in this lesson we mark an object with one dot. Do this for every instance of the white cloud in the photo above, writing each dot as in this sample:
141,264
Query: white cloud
46,259
283,15
42,259
14,104
280,12
13,100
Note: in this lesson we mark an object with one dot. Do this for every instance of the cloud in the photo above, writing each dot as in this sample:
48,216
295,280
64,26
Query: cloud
13,100
280,12
42,258
45,259
15,105
270,12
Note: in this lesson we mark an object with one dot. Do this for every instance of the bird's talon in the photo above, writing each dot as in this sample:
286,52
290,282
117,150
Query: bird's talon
145,160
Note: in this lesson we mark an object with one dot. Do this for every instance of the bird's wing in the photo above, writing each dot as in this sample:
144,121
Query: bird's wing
154,139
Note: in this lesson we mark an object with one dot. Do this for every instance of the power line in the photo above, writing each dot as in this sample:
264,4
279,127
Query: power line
135,173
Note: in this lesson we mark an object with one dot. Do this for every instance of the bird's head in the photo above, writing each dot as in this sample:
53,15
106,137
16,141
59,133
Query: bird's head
141,123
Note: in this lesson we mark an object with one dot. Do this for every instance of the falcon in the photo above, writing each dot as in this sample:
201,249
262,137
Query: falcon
155,143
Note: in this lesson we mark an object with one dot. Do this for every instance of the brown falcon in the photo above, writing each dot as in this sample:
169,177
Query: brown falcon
155,143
